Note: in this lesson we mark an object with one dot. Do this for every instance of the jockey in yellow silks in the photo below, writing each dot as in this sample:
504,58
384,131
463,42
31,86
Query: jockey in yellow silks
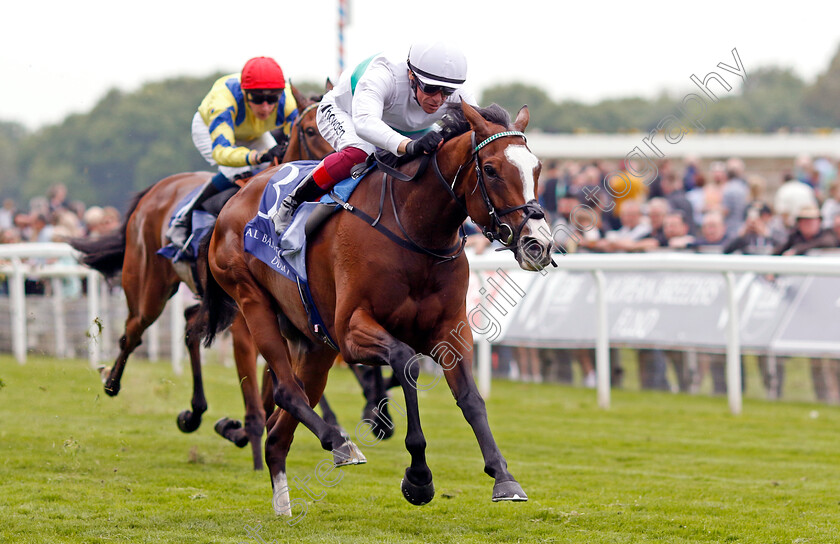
232,130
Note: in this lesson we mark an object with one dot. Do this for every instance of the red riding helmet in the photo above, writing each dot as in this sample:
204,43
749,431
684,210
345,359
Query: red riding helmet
262,73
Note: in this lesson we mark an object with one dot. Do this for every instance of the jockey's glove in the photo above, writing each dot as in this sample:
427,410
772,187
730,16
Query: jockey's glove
425,144
275,152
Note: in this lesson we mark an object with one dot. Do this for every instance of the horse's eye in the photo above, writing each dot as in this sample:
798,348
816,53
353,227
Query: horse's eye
490,171
311,132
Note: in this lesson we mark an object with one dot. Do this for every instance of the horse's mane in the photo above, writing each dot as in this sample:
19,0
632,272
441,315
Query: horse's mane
455,122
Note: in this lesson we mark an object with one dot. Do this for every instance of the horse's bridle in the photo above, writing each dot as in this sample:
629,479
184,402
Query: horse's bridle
302,134
497,230
532,208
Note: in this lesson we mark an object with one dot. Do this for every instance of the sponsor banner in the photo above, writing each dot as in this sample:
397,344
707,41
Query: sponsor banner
660,309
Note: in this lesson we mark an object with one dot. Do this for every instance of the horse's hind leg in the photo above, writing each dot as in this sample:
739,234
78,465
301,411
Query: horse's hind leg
146,299
288,394
375,411
189,421
245,355
312,374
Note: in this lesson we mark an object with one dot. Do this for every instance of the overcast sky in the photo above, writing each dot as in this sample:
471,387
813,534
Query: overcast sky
61,57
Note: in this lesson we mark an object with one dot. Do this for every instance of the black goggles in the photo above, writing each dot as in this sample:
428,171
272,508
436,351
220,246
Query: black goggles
433,89
260,98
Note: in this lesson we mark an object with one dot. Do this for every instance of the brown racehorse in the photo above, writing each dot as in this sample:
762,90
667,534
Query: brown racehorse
386,302
150,280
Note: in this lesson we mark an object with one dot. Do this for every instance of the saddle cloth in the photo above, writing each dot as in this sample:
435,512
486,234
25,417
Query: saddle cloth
287,255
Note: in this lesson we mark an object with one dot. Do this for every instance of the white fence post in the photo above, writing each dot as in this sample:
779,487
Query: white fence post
153,341
602,343
94,319
485,363
18,300
733,348
59,317
105,314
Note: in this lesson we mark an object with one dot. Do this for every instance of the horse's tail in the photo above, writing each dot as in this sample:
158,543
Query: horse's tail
217,307
106,253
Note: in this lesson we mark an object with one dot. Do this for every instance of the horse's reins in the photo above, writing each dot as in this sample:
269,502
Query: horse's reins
444,255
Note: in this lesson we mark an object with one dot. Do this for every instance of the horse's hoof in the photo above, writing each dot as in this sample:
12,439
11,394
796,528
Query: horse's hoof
188,421
418,495
348,454
112,389
240,441
228,428
380,429
383,431
509,491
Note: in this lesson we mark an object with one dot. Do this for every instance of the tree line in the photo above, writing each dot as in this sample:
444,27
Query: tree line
129,141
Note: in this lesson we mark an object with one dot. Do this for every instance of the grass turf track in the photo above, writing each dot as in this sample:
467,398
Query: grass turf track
77,466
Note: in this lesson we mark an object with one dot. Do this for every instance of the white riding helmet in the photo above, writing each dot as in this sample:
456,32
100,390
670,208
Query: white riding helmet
438,64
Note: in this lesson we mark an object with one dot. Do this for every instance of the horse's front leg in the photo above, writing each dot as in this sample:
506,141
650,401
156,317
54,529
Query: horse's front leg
367,341
146,301
458,372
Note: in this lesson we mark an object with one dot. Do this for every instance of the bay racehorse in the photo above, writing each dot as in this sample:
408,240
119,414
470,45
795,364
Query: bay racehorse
388,294
150,280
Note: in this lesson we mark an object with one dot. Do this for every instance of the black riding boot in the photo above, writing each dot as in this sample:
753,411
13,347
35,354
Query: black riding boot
307,191
181,226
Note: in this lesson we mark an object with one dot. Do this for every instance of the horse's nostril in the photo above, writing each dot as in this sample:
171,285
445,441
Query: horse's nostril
532,249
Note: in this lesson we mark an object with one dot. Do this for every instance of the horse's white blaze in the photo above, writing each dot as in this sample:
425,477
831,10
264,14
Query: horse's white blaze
527,162
540,230
281,502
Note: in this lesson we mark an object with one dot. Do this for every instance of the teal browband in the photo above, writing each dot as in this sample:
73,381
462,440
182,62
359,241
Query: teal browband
499,135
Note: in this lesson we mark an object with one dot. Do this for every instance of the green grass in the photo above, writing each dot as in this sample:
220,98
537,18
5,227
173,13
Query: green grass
77,466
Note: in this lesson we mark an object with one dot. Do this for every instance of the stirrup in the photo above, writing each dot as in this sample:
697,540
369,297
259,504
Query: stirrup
178,233
285,215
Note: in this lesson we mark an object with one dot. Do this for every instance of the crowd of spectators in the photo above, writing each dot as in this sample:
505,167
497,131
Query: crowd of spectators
713,207
52,218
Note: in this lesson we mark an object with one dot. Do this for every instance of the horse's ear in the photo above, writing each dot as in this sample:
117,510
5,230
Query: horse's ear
522,119
477,122
301,100
328,86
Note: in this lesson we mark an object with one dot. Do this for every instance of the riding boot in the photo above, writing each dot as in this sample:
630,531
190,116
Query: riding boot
181,226
307,190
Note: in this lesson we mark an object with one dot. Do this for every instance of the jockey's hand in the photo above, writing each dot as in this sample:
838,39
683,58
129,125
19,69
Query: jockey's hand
425,144
275,152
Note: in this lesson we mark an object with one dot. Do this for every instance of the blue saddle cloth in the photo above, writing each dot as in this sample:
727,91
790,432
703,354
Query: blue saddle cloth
287,255
202,222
